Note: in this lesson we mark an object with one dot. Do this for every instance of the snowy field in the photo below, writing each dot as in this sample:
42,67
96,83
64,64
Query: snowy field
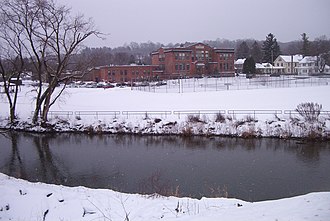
125,110
21,200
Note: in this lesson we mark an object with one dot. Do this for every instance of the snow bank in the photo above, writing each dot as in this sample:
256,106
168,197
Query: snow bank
22,200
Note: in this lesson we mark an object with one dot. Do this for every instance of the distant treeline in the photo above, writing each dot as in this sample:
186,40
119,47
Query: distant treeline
139,53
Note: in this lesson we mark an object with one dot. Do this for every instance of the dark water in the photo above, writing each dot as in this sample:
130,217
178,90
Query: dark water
253,169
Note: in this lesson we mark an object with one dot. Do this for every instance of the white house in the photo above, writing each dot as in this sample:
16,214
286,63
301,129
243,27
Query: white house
287,64
264,68
238,64
309,66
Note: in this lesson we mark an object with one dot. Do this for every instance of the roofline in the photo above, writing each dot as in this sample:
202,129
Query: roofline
177,50
219,50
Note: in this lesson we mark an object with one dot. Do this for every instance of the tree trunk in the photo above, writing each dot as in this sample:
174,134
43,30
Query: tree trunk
12,113
46,106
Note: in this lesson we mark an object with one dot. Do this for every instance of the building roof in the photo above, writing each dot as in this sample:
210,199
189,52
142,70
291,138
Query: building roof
240,61
177,50
287,58
224,50
308,59
263,65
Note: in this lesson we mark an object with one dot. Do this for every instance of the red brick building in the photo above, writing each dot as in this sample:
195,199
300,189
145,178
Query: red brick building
195,60
123,73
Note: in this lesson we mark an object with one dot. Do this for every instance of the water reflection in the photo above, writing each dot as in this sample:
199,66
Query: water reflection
252,169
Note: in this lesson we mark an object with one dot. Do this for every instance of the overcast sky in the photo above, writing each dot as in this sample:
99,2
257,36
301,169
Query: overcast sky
179,21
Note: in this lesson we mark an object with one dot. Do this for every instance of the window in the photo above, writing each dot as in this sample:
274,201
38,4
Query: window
121,72
176,67
200,55
188,67
125,72
161,57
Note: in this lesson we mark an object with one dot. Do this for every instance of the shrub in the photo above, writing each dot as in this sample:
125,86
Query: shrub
309,111
187,131
249,118
220,118
195,119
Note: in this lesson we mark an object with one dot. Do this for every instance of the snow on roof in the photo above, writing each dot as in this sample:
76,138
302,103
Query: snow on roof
308,59
263,65
287,58
240,61
267,65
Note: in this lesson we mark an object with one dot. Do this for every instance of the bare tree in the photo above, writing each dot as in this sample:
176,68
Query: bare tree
11,60
49,37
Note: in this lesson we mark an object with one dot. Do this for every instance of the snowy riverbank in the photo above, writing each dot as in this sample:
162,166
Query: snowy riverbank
245,113
22,200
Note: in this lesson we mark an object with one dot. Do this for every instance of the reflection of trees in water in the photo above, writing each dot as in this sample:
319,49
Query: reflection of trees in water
51,169
15,165
48,167
307,151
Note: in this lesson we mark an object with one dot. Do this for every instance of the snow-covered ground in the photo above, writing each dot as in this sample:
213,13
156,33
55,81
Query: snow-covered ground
132,111
22,200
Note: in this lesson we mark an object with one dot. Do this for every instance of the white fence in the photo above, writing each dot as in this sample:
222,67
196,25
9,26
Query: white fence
178,113
232,83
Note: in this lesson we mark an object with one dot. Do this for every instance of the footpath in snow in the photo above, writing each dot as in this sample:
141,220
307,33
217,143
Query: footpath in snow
22,200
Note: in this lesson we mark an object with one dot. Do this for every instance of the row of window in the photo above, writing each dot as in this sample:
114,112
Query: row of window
125,72
199,56
181,56
226,56
282,64
226,67
182,67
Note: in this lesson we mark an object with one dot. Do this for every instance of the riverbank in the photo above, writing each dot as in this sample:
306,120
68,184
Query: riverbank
22,200
193,125
240,113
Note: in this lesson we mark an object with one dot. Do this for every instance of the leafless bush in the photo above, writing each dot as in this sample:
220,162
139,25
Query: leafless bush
309,111
219,117
249,118
195,119
187,131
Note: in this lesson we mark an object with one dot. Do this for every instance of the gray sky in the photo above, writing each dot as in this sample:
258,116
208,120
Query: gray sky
197,20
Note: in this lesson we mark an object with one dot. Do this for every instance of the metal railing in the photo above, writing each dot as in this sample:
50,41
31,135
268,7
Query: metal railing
295,112
146,113
198,112
60,113
254,112
97,113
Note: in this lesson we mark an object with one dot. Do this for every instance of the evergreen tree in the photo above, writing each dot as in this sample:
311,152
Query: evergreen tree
270,48
243,50
249,66
256,52
305,49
